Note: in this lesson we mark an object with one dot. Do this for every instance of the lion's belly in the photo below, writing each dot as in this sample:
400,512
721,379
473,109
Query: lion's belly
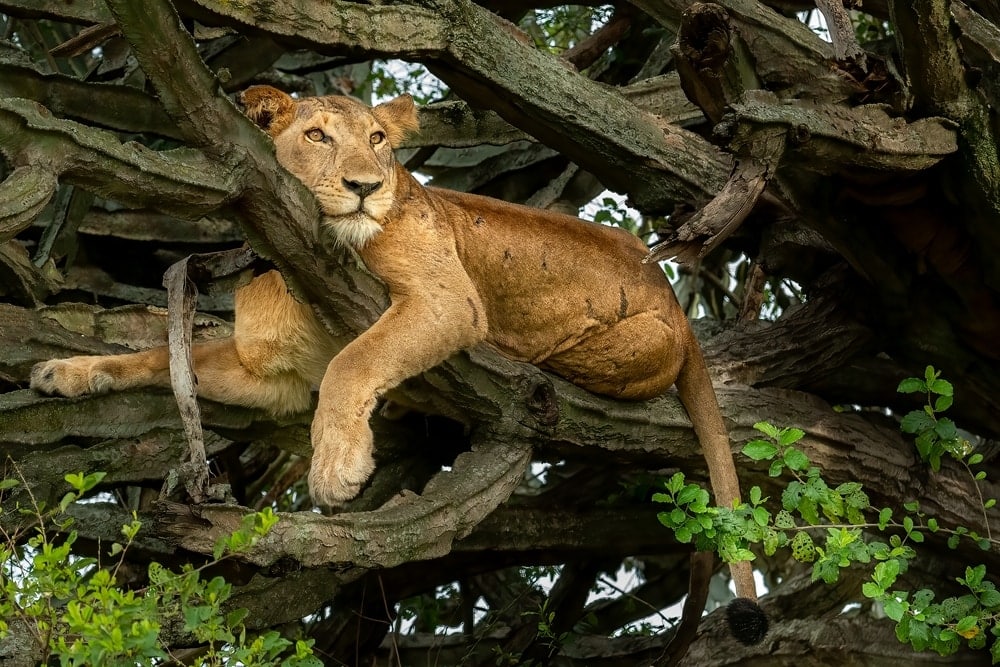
570,296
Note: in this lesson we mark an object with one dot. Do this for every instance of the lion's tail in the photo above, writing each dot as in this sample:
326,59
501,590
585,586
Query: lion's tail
746,619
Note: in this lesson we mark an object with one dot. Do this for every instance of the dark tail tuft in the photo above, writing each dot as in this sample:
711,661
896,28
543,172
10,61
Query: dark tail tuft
747,621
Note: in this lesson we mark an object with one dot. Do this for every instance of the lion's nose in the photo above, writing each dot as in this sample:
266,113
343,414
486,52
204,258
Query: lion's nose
361,188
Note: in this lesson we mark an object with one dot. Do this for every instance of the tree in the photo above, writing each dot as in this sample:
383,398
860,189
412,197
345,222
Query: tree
851,186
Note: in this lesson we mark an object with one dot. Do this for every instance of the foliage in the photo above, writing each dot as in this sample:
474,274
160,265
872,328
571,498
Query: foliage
394,77
829,528
613,212
562,27
79,614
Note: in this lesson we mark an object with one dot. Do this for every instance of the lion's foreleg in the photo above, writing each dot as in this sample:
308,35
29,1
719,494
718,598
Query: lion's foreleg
410,338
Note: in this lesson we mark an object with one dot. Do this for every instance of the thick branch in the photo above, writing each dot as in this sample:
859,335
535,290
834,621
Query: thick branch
411,528
59,10
574,115
181,181
832,136
923,31
789,56
404,30
109,106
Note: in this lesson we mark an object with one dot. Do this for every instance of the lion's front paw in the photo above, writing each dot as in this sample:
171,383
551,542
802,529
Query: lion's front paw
342,462
70,377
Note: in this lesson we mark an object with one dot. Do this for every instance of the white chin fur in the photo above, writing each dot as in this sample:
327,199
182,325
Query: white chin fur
354,230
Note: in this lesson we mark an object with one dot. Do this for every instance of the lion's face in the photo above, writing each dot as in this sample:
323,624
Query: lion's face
341,150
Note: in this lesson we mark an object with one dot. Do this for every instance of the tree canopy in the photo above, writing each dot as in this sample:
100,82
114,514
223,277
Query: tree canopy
832,196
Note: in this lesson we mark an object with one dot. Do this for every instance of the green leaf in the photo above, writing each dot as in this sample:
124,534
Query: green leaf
807,508
930,374
912,386
783,519
767,429
945,429
894,608
917,421
990,503
943,403
884,517
772,540
67,500
789,436
688,494
975,459
885,573
755,495
683,535
990,598
219,548
760,450
966,624
941,388
9,483
922,598
675,483
871,590
776,467
795,459
236,616
974,576
803,549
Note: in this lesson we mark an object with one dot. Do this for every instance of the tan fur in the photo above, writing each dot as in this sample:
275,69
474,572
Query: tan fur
541,287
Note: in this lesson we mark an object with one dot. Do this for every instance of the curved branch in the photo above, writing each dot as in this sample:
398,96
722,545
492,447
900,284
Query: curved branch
23,195
407,529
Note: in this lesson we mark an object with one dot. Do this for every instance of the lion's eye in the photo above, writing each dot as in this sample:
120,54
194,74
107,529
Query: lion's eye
377,138
315,134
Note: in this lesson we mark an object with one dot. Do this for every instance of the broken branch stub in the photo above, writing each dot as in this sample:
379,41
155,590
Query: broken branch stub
181,297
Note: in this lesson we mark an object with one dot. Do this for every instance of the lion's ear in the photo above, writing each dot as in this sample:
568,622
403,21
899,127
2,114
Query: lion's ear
398,117
271,109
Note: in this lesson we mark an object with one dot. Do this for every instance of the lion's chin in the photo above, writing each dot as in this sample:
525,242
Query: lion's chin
353,230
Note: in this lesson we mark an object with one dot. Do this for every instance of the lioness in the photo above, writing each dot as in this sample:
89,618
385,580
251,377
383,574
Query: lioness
566,295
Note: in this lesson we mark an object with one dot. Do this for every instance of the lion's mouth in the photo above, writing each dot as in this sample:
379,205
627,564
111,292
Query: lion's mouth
354,229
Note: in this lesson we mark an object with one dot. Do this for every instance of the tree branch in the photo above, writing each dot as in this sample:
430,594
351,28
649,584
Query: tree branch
109,106
97,161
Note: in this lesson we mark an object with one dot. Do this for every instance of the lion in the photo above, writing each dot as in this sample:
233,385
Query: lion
568,296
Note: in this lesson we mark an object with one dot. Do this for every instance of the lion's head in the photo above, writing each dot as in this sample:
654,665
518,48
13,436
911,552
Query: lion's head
342,151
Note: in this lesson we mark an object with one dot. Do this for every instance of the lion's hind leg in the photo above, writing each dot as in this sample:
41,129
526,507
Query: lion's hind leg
76,376
221,374
277,353
637,357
